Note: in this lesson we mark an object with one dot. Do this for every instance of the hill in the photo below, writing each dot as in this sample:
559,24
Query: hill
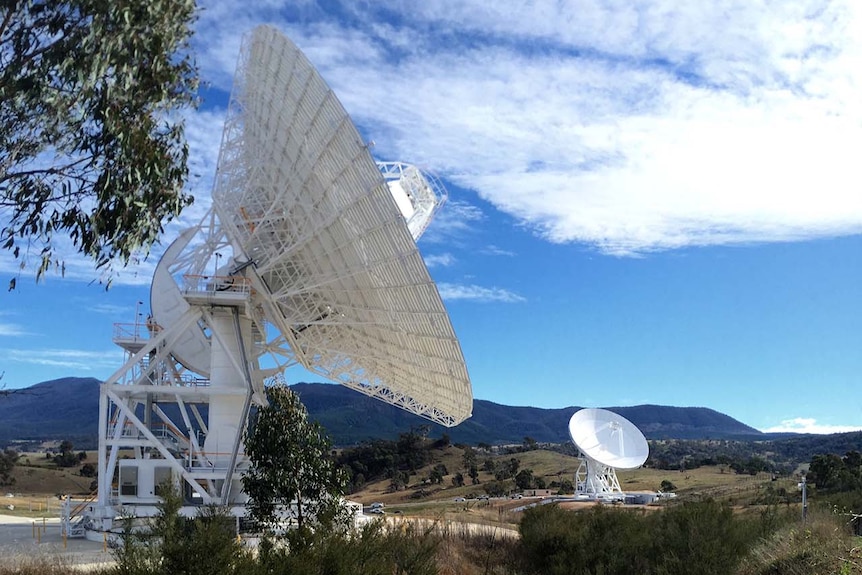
67,409
350,418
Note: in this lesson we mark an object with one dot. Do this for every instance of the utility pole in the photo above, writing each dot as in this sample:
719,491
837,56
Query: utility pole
803,485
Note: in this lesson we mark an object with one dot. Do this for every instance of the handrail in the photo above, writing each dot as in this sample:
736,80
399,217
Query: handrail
136,331
202,283
80,507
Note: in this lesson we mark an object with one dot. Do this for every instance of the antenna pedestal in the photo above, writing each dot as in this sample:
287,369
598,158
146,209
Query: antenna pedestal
596,481
160,425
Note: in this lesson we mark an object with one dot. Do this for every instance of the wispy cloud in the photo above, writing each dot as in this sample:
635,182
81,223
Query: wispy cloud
12,329
809,425
76,359
111,309
476,293
439,260
633,127
492,250
647,126
453,222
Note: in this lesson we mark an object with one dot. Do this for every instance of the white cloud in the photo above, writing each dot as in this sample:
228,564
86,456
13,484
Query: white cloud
493,250
647,126
810,425
436,260
111,309
12,330
631,127
452,222
451,292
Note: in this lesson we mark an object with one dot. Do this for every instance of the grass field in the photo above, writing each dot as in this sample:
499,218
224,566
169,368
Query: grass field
746,493
465,528
39,484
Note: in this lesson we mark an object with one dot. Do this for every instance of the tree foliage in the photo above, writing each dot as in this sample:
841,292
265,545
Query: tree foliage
8,458
437,473
91,140
524,479
291,465
67,456
172,544
507,469
395,460
830,472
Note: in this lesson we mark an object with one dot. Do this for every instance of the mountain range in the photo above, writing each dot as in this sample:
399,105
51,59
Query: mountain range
68,409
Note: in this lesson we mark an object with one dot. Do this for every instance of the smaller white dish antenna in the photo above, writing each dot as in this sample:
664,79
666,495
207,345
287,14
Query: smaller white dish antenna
607,441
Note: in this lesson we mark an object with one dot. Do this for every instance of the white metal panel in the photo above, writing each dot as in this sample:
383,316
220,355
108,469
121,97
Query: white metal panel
608,438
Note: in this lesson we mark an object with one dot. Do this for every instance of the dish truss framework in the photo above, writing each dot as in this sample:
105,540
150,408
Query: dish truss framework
606,441
308,258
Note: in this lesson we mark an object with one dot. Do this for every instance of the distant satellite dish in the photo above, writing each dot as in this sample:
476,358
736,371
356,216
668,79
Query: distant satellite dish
308,257
607,441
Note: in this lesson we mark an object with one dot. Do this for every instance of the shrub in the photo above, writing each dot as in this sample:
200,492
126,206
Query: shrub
703,537
172,544
599,540
373,550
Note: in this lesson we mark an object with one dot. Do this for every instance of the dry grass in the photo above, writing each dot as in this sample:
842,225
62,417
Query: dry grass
36,475
35,506
38,483
471,553
717,482
45,565
824,546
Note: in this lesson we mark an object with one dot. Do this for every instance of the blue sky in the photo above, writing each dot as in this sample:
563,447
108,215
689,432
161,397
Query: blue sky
649,203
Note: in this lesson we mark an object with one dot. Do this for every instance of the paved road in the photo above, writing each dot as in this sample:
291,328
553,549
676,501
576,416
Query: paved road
17,544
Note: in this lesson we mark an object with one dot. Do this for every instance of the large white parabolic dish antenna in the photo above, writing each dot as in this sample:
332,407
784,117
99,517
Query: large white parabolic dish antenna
608,438
327,238
607,441
339,276
307,257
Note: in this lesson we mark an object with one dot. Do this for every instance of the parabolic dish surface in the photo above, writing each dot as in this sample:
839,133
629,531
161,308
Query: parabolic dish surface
608,438
298,193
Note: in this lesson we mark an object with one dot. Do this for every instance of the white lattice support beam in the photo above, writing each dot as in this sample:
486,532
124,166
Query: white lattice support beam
154,442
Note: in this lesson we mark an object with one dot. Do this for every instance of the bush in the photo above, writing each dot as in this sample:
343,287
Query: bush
496,488
600,540
374,550
703,533
173,544
703,537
